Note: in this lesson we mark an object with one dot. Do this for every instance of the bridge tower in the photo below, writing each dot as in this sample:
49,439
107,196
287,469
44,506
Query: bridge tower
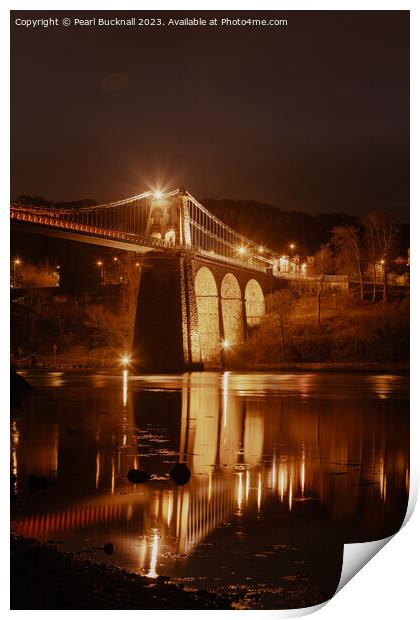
166,328
169,219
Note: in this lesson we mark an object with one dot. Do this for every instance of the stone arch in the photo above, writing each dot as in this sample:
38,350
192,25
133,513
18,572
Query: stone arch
254,303
231,298
208,316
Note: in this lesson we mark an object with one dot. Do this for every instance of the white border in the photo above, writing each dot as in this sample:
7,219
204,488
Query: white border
387,586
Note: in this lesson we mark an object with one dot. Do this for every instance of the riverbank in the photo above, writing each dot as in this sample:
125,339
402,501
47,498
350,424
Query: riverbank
375,367
42,577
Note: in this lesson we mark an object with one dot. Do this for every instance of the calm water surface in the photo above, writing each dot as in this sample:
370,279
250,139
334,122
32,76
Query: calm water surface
285,469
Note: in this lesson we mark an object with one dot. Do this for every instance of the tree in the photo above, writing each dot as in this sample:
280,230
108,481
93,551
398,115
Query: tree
388,231
35,201
278,304
370,224
348,238
323,263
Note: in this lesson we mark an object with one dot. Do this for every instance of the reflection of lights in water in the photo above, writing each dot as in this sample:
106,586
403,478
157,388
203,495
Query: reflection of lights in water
153,558
407,480
259,492
124,428
302,473
143,551
183,511
273,473
305,385
170,508
125,384
15,434
382,385
225,396
240,490
14,466
15,443
129,512
290,491
57,379
199,518
156,507
282,481
98,469
382,479
112,476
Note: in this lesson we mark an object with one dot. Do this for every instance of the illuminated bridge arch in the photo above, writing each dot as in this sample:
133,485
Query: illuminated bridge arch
208,316
231,299
254,303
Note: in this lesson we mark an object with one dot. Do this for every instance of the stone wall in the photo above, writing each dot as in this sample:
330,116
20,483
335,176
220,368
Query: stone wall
182,318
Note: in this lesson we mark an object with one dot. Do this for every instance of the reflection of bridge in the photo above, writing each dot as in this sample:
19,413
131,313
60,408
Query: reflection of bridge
247,454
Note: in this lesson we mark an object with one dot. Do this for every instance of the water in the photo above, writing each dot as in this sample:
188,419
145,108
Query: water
285,469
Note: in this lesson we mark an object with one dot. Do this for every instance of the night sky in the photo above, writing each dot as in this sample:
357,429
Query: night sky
313,116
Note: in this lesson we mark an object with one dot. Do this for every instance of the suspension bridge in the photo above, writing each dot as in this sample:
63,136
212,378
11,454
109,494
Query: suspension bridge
157,221
203,285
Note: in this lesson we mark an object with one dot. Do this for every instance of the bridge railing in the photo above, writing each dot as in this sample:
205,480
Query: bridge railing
43,218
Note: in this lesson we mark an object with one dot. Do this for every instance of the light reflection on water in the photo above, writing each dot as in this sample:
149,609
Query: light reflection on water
286,467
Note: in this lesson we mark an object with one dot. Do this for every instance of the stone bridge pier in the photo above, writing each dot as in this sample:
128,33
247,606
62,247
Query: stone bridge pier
188,305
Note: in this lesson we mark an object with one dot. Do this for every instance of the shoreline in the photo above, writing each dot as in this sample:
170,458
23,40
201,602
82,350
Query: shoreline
383,367
362,367
44,577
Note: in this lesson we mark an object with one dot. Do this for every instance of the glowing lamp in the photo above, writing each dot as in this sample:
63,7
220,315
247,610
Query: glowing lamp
241,249
158,195
125,360
225,344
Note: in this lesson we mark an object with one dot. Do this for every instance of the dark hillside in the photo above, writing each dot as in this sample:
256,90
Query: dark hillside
275,228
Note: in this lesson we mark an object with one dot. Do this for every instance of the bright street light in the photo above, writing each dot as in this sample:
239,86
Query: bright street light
225,344
157,194
100,264
125,360
16,264
241,249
